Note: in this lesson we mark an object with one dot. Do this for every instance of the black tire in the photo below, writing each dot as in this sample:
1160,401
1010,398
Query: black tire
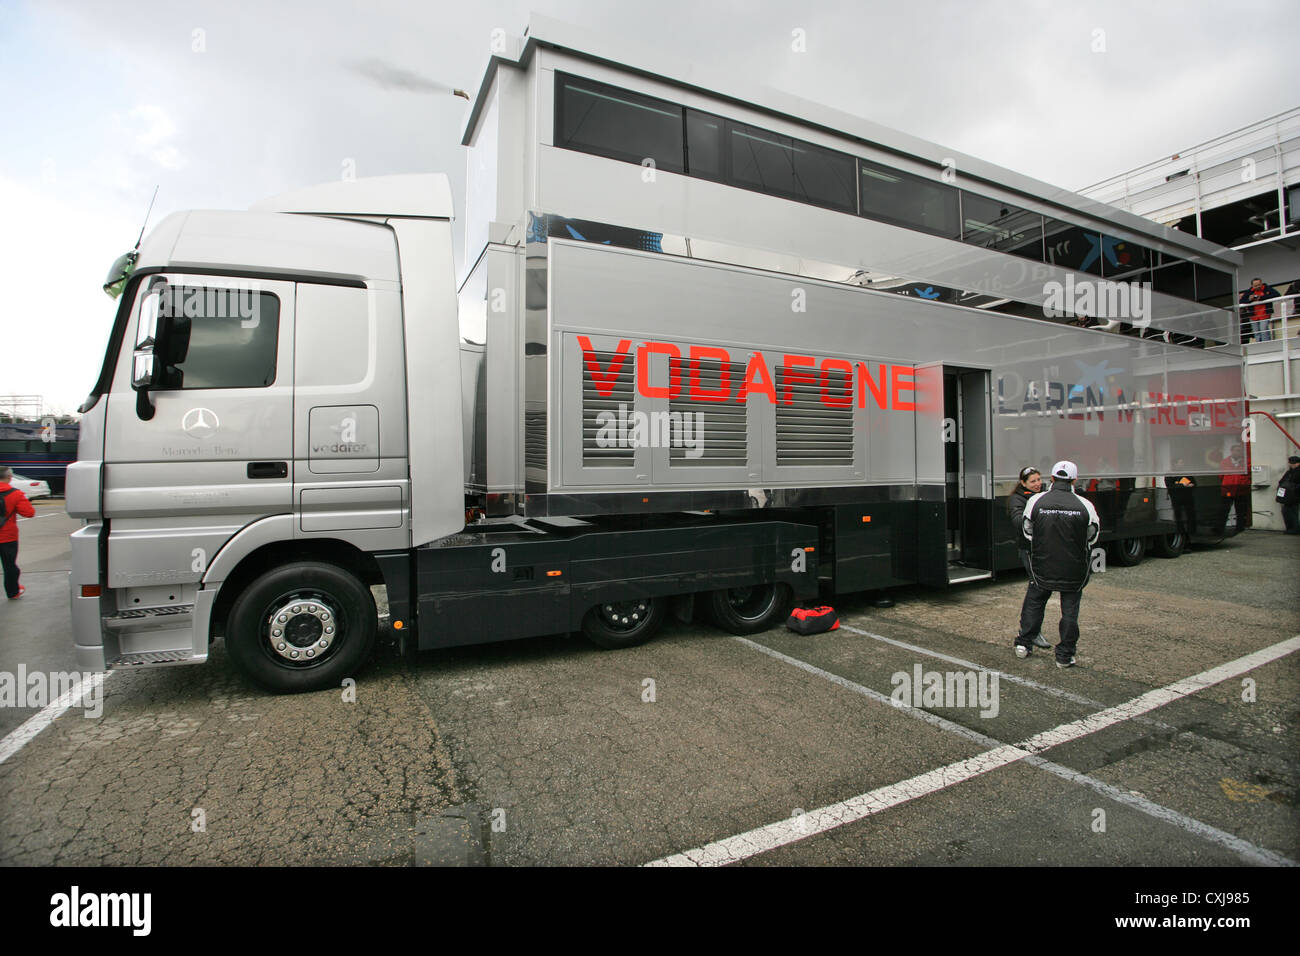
1169,545
618,624
1128,552
311,597
752,609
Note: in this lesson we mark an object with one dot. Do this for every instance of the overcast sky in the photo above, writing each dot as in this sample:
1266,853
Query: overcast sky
223,103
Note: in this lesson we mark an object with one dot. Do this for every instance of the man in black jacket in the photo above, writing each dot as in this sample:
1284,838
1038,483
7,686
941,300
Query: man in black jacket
1061,528
1182,495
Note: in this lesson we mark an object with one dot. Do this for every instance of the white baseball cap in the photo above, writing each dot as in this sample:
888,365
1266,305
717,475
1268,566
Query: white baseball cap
1065,469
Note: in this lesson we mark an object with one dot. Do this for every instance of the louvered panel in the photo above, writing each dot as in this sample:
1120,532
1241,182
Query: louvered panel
535,438
600,408
718,429
812,431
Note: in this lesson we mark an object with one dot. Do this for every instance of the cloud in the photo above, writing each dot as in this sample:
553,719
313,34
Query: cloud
150,130
58,312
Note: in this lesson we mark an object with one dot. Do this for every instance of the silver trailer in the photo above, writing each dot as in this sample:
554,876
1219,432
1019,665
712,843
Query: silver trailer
716,350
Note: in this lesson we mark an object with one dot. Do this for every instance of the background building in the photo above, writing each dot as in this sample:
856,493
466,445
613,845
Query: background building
1241,190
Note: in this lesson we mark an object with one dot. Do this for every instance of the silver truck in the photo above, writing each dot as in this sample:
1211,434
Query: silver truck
659,386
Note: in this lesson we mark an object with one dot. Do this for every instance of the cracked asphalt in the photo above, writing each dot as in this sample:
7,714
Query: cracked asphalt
550,751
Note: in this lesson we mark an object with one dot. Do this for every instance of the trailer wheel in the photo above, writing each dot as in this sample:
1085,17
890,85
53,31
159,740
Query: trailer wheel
1128,552
304,626
752,609
1169,545
616,624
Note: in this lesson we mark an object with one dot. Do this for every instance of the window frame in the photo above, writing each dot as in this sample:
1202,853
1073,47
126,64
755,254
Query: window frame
232,288
905,176
600,88
727,127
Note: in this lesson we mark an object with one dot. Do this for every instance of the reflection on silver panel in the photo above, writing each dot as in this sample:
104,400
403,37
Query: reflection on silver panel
628,357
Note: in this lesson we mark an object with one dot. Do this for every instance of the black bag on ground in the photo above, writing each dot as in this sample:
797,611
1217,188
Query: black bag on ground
812,620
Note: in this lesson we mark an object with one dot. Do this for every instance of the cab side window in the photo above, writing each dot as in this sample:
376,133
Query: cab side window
218,338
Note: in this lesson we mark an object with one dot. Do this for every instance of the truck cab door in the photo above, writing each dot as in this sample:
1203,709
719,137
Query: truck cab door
205,451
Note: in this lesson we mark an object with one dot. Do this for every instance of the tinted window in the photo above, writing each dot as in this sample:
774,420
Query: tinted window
761,160
1213,287
1073,247
607,121
1124,259
1174,277
911,201
783,166
703,145
824,177
994,224
220,338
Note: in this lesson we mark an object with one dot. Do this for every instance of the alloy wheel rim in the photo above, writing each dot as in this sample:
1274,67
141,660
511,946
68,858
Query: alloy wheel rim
301,630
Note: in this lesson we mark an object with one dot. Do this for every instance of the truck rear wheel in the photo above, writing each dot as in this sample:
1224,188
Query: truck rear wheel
616,624
1169,545
752,609
1128,552
304,626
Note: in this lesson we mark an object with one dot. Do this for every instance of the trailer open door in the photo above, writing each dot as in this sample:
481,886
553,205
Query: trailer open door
974,493
931,520
954,475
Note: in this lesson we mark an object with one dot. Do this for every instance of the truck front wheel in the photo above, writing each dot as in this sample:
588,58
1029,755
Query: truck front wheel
304,626
616,624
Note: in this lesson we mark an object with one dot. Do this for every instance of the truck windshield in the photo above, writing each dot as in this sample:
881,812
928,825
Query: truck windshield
105,380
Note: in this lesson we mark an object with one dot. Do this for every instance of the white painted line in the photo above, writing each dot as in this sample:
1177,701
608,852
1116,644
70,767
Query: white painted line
1002,675
787,831
18,739
1158,697
1243,848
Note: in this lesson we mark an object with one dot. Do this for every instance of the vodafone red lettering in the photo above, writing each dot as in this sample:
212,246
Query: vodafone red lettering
838,381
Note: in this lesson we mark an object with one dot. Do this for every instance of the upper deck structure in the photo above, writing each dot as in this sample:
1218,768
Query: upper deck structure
715,168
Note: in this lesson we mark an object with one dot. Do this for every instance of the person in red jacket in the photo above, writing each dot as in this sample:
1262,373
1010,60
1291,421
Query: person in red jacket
1258,312
12,504
1235,486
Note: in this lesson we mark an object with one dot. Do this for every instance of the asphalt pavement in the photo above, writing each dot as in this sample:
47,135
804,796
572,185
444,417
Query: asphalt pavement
700,746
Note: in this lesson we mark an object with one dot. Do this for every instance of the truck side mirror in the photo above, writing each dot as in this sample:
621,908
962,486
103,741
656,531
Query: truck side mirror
175,340
119,272
142,372
144,362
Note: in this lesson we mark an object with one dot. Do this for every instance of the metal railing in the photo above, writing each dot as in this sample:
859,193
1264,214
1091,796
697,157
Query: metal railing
1286,310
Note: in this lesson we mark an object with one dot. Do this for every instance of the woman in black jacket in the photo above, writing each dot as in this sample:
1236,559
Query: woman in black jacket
1029,484
1288,495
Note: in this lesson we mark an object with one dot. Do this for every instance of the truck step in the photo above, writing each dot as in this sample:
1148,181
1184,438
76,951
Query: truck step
148,617
177,656
960,575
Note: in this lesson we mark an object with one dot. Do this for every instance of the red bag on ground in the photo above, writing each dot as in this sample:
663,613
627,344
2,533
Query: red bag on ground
812,620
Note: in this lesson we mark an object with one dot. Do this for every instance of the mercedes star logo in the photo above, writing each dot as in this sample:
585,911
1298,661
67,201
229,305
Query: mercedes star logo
200,422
